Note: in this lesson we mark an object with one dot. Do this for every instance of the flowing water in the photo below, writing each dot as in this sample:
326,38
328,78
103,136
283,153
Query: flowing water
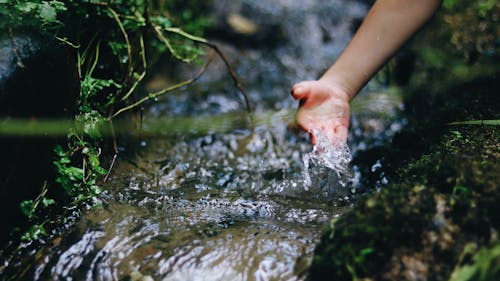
230,202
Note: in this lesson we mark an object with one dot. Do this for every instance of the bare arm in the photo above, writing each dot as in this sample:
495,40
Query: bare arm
388,25
325,103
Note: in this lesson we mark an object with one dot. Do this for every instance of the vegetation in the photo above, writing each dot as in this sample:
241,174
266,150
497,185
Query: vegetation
112,63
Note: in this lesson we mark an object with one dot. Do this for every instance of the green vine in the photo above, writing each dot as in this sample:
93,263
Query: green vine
112,63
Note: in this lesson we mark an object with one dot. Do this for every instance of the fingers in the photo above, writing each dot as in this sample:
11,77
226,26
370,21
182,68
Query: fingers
341,133
335,136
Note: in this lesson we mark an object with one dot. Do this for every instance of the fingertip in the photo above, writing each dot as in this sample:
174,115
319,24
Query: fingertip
299,90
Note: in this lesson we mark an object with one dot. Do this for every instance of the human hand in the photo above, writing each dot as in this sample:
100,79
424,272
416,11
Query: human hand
324,109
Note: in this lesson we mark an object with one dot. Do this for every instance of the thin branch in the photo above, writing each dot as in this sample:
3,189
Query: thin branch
165,40
219,52
166,90
143,74
15,48
96,59
65,40
127,42
115,150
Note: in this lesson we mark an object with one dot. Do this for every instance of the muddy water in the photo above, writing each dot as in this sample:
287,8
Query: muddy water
229,202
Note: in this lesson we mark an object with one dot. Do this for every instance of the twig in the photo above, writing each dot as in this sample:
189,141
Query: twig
15,49
66,41
40,196
166,90
143,74
115,148
96,59
127,42
172,50
221,55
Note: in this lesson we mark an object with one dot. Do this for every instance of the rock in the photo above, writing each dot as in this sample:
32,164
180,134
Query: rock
38,79
248,24
242,25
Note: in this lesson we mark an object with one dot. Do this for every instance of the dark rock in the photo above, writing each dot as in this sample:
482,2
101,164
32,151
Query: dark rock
38,79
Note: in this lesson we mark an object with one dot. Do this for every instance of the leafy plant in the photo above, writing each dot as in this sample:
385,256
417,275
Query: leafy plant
112,63
30,13
485,266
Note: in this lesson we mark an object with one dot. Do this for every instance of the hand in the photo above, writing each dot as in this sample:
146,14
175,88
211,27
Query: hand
324,110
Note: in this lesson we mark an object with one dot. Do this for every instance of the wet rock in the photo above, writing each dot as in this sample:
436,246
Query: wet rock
38,79
248,23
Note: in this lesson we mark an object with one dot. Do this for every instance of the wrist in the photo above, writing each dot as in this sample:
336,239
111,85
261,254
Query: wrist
338,86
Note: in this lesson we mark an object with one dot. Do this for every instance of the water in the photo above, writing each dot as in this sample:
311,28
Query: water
210,207
230,201
328,160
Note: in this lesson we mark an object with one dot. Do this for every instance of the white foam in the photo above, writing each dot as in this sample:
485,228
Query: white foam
328,164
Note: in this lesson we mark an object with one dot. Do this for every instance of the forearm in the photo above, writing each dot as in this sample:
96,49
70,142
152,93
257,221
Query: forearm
388,25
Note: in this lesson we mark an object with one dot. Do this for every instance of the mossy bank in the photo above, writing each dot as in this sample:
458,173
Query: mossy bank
438,217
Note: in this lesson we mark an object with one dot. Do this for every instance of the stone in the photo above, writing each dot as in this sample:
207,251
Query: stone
38,79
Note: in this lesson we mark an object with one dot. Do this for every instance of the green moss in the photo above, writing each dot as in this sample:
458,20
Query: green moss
420,224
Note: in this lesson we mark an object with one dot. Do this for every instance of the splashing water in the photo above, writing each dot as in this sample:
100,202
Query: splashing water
329,166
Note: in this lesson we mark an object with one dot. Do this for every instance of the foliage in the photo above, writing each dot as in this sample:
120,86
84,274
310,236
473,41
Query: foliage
463,33
473,25
112,62
485,266
30,13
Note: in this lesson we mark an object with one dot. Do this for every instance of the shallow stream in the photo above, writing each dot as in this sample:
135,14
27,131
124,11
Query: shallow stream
229,202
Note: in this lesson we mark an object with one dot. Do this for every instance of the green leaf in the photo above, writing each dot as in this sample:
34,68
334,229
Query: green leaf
162,21
58,5
485,266
48,13
47,202
74,173
27,208
59,151
26,7
34,233
478,122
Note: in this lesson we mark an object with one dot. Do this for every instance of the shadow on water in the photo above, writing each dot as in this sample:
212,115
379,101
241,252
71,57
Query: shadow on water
228,203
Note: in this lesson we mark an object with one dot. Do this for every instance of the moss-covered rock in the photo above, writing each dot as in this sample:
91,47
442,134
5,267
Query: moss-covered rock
419,227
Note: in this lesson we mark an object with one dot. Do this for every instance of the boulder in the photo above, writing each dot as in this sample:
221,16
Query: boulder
38,79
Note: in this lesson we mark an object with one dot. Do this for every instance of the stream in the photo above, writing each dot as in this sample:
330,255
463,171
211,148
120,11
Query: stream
230,202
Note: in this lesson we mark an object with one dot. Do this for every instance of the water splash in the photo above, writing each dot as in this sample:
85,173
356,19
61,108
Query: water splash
327,167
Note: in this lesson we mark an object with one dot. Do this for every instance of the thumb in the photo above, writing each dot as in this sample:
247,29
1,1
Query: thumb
300,90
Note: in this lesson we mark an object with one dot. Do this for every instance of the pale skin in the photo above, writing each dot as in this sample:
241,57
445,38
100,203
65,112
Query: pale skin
324,103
